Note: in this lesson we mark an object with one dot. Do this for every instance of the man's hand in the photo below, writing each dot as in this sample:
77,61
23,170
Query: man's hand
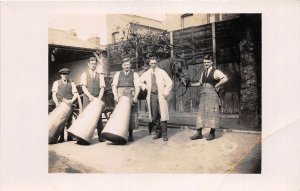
116,99
56,104
217,89
67,101
135,100
91,98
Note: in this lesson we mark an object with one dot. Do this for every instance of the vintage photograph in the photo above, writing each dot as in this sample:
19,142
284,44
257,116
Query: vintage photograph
155,93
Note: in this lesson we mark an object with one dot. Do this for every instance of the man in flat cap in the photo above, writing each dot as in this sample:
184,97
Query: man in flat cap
64,90
208,113
159,86
127,83
93,85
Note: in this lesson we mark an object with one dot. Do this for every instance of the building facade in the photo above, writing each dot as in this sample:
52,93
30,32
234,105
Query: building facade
118,26
180,21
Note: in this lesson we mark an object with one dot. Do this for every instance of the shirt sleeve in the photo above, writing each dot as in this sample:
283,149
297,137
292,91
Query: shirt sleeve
102,82
219,75
83,80
136,80
55,87
142,77
116,79
143,81
74,89
201,77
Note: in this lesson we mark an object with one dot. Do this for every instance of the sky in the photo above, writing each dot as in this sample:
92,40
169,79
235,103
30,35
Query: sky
89,25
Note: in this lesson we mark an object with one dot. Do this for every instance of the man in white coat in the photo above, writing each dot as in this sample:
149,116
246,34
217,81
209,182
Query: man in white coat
159,86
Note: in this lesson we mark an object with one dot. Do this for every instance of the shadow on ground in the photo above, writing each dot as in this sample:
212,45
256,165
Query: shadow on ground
60,164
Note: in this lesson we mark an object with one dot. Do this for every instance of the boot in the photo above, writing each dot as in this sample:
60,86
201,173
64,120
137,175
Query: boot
99,131
61,137
164,130
211,135
157,128
157,136
130,136
69,137
198,135
100,136
150,126
82,142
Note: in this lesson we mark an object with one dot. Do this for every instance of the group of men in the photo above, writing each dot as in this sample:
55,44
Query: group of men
158,85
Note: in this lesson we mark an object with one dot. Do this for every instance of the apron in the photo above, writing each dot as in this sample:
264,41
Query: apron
208,115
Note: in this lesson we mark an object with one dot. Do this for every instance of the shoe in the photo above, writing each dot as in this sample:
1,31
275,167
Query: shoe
210,137
130,136
196,136
60,141
157,136
165,138
80,142
150,126
101,139
164,129
70,138
130,139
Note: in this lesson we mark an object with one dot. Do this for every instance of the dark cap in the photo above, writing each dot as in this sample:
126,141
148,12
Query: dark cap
64,71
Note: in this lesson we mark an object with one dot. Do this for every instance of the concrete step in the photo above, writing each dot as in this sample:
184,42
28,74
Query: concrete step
227,121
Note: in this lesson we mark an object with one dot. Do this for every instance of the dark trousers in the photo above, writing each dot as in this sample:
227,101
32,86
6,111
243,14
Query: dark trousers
158,126
67,125
86,101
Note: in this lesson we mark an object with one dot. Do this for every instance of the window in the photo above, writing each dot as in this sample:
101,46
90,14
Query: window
114,36
184,16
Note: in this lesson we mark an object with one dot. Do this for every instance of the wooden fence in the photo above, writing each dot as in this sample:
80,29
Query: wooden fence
220,39
114,58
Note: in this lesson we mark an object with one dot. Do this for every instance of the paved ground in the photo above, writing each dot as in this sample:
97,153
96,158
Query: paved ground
230,152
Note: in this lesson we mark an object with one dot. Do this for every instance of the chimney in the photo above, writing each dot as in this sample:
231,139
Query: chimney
72,32
95,40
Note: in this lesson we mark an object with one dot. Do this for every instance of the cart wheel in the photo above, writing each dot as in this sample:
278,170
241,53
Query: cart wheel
77,106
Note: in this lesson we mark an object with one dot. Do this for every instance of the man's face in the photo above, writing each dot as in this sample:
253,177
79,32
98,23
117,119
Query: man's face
92,65
207,63
126,66
153,63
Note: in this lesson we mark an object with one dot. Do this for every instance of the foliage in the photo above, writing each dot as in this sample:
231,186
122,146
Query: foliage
141,45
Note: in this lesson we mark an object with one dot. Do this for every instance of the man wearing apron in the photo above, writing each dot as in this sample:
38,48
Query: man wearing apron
93,87
127,83
64,90
208,114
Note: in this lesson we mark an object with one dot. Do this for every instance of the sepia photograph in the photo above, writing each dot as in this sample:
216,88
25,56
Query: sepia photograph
150,95
164,93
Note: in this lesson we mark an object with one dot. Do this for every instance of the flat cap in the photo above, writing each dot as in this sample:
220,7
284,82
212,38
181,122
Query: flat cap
64,71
